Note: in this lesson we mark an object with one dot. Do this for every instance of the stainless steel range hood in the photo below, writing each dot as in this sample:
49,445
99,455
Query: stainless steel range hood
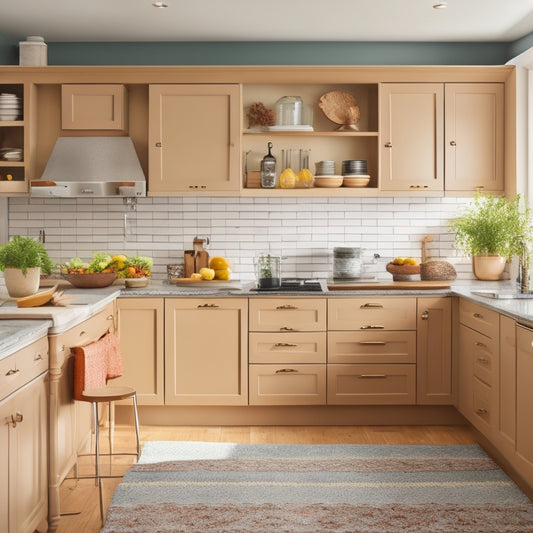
95,167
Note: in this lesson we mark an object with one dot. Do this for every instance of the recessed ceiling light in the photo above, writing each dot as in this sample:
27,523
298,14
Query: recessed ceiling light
443,4
160,4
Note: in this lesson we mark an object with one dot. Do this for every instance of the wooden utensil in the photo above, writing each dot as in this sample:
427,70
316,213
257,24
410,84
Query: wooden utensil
195,259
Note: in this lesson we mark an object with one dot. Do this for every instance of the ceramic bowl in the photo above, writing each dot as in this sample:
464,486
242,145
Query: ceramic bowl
328,181
136,282
95,280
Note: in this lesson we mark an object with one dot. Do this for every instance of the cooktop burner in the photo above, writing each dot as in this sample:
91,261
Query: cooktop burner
295,285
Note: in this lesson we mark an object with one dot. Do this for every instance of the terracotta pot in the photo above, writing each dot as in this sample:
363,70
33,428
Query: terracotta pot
488,267
19,285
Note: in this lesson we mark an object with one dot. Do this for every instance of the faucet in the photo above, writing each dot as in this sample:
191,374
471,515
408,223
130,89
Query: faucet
523,267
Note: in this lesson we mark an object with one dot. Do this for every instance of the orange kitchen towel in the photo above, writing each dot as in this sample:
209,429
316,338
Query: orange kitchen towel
95,363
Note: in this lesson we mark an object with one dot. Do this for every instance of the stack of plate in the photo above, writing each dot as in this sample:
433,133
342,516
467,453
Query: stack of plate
354,167
355,173
11,154
10,106
325,168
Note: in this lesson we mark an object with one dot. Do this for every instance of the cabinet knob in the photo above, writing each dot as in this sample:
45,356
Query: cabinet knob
477,315
12,371
481,411
453,143
158,145
482,360
388,145
480,344
15,419
425,315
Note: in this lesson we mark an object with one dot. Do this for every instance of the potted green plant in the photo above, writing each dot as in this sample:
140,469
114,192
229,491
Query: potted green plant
22,260
493,230
268,271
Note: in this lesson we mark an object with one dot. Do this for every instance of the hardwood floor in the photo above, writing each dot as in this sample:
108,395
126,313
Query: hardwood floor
79,498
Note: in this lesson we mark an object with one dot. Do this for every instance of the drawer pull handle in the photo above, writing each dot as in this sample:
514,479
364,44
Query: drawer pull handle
286,306
82,333
204,306
284,344
373,343
286,371
388,145
371,306
372,326
480,344
425,315
372,376
477,315
286,328
483,360
17,419
38,357
481,411
12,371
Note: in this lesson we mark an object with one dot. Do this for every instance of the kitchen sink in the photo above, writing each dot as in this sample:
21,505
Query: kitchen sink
504,295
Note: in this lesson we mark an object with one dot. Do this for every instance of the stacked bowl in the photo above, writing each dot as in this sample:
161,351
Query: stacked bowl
10,106
325,175
355,173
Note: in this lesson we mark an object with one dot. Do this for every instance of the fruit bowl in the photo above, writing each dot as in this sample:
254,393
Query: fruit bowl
94,280
403,272
136,282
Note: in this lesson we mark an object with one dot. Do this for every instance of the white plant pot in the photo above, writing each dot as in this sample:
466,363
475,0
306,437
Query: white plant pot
19,285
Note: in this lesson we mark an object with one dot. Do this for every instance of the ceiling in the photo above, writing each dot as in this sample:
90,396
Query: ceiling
275,20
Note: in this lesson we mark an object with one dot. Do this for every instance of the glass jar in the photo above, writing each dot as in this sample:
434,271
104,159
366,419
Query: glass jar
268,169
289,111
346,263
268,271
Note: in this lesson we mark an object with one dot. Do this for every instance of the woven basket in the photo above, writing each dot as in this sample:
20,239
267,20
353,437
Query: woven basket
95,280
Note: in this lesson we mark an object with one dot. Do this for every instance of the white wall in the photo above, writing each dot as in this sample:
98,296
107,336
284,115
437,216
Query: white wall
302,230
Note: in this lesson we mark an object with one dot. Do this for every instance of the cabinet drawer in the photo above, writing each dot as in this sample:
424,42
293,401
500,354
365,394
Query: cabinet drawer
22,366
479,318
287,385
482,352
287,347
287,314
372,313
482,404
372,347
88,331
371,384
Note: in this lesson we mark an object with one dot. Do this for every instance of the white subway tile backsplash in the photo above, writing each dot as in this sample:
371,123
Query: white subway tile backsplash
302,230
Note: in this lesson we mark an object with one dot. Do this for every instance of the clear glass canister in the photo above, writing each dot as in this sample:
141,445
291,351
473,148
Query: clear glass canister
289,111
346,263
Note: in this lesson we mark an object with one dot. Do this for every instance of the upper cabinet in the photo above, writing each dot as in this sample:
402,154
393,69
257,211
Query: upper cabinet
194,139
93,107
447,137
412,137
474,137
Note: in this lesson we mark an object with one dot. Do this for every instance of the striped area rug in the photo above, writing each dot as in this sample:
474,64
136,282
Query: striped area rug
266,488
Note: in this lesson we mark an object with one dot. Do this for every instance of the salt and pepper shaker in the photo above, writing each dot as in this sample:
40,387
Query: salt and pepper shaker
268,170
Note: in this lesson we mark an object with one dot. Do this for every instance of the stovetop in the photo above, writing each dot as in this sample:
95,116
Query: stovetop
295,285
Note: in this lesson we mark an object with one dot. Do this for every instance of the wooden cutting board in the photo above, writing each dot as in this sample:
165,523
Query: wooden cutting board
387,285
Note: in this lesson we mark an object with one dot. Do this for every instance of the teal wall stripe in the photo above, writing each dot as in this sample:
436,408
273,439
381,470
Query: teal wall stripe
520,45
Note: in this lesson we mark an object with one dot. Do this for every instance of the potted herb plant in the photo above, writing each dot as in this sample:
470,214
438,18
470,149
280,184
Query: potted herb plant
493,230
268,271
22,260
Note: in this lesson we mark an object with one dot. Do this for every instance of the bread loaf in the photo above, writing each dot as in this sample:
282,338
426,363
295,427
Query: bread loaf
437,271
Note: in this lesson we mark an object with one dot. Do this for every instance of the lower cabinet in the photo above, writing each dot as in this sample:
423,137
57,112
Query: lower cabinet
206,351
524,394
23,443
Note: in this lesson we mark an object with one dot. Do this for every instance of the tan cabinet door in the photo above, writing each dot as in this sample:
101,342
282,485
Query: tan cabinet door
93,107
287,314
412,132
474,143
524,393
194,138
507,411
434,351
141,333
206,351
479,318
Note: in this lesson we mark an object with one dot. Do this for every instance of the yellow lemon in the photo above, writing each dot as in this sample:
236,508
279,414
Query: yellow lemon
287,179
196,276
207,273
305,175
398,261
222,273
218,263
410,261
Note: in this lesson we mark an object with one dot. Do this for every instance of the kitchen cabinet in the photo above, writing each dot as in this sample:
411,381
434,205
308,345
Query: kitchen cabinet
524,395
23,440
141,332
434,351
194,139
93,107
287,351
507,370
371,351
412,137
15,134
206,351
478,358
69,421
474,137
